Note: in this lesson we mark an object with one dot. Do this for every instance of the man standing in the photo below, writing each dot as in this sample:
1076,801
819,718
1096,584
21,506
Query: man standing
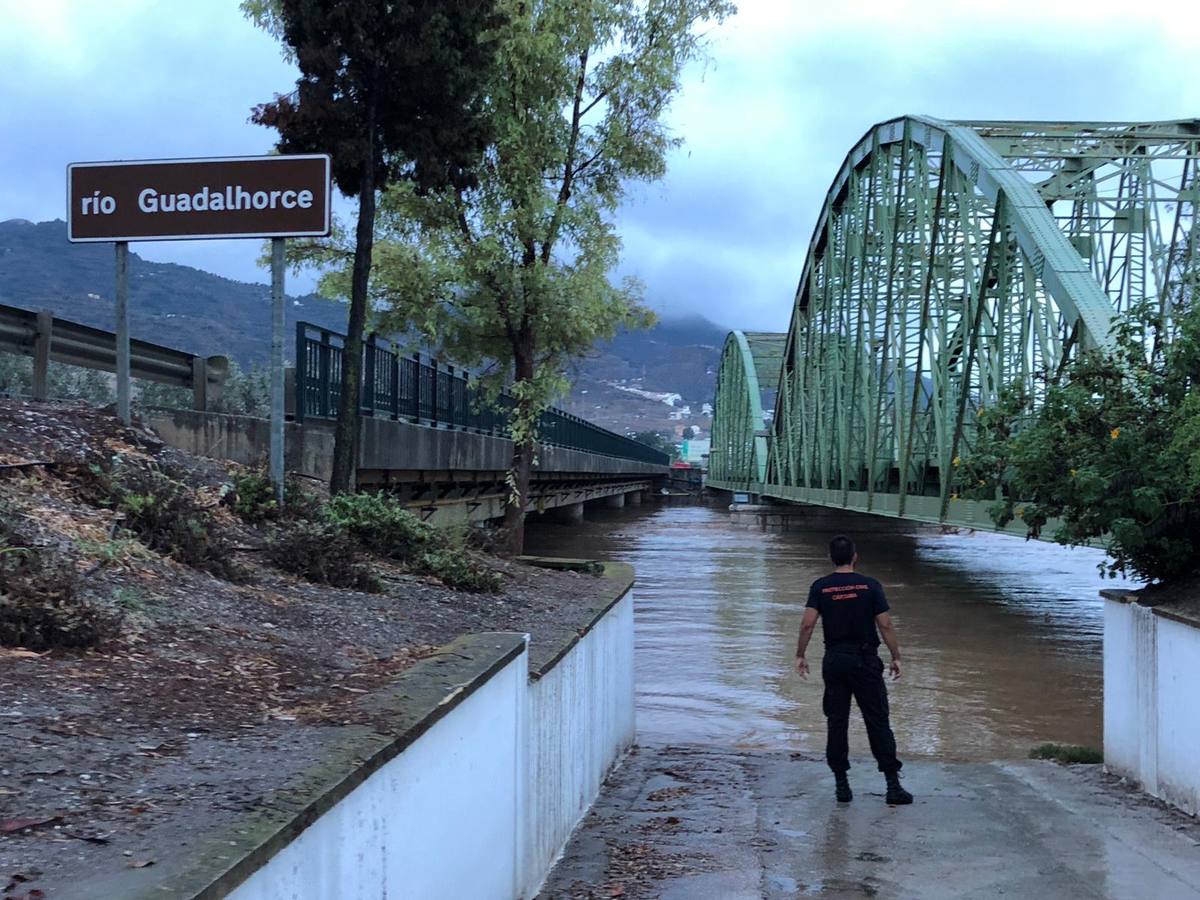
850,607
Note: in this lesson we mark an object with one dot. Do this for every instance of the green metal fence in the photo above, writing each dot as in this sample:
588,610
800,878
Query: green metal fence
404,387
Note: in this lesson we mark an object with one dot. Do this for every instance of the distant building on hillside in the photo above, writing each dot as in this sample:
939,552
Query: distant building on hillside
695,451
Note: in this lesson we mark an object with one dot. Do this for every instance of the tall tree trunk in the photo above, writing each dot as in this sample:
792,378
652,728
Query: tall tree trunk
522,460
345,436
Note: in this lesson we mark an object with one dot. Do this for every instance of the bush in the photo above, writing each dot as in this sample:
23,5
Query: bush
166,517
382,524
251,496
40,603
1110,453
243,394
321,552
62,381
457,570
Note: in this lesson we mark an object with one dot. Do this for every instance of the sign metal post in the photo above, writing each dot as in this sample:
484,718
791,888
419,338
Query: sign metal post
277,328
123,332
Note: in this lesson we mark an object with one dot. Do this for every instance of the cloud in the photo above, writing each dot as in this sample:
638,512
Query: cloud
127,80
790,87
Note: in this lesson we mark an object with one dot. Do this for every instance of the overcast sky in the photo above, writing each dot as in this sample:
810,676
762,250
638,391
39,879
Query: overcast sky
789,89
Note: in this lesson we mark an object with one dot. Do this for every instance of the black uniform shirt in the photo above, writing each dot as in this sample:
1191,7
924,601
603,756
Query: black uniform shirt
848,604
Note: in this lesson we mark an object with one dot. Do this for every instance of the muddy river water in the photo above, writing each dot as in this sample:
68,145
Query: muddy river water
1001,638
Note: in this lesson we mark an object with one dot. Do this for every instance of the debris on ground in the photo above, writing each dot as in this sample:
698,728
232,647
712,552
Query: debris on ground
176,675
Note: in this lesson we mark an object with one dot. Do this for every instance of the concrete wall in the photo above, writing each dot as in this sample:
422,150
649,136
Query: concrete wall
580,722
384,445
403,446
409,828
473,466
1152,700
244,439
480,763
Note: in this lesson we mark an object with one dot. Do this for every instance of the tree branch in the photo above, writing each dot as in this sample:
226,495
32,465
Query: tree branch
564,192
592,105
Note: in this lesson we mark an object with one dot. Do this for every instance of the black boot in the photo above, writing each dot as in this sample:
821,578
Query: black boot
896,795
844,794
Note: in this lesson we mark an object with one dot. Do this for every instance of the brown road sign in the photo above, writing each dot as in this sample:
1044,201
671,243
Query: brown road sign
186,199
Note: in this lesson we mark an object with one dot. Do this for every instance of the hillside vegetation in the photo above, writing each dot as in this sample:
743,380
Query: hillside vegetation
169,304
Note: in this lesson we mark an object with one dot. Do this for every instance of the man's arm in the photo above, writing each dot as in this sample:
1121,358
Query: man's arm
807,625
887,631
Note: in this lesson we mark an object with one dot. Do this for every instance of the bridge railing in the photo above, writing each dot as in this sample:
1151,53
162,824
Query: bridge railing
47,338
405,387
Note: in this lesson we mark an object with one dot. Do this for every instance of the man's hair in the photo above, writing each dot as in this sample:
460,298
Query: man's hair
841,550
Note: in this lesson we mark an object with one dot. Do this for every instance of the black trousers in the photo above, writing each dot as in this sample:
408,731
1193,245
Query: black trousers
857,673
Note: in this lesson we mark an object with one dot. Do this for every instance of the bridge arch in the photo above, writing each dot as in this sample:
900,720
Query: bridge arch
747,383
951,260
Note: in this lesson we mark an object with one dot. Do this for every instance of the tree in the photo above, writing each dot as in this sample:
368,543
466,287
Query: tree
63,382
513,273
242,394
1111,452
391,90
658,441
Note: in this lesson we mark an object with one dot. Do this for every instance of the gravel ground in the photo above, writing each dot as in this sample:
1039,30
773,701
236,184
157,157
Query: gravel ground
213,693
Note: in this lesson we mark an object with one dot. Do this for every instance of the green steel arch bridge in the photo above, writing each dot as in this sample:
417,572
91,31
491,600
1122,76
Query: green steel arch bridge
949,261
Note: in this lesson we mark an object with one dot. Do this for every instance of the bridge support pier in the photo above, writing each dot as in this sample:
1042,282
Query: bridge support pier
616,501
633,499
569,514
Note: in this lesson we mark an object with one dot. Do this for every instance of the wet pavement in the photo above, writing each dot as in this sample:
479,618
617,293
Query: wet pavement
699,823
727,795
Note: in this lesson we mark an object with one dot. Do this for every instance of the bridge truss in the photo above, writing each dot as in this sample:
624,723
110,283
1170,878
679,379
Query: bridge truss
747,383
952,260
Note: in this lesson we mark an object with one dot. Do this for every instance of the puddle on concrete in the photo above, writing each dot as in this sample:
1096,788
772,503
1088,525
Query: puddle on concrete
1001,637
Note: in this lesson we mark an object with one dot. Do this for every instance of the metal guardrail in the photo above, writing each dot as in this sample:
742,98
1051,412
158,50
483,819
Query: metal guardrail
403,387
49,339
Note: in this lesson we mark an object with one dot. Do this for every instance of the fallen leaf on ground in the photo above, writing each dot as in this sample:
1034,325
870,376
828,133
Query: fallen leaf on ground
8,826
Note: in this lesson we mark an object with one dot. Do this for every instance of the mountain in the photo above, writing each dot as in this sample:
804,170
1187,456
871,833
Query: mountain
182,307
675,363
169,304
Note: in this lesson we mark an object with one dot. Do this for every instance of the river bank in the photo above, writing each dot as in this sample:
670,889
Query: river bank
211,693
